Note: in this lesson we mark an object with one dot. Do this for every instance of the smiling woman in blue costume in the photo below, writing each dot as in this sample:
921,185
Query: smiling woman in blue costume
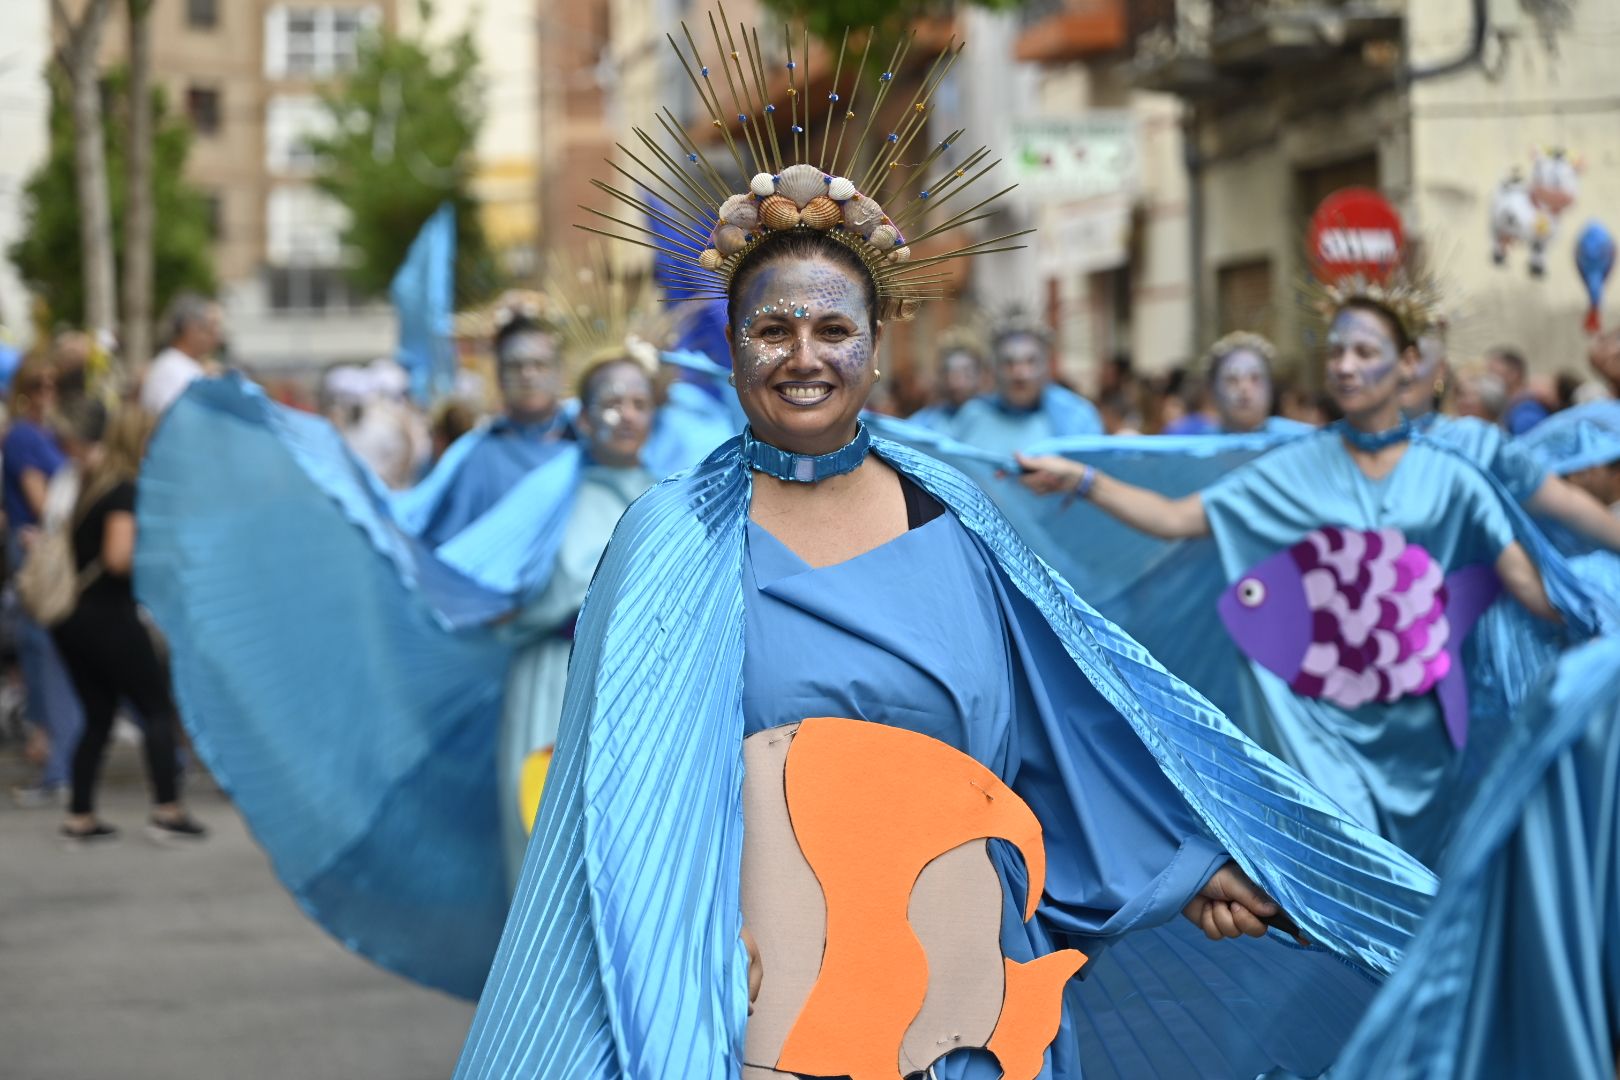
816,673
1358,561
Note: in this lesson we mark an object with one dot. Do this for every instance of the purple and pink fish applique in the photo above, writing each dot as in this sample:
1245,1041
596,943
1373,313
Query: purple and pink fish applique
1357,616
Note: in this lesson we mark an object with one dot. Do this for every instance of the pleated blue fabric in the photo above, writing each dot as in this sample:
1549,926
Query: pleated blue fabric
336,672
1516,971
1507,459
622,955
1577,438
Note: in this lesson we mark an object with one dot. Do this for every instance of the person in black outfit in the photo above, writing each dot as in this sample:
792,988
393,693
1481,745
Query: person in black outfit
109,653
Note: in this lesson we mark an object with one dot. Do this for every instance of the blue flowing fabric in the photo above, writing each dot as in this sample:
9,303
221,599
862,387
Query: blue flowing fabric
1388,763
1516,971
1567,442
336,671
1489,447
423,294
922,634
689,425
477,472
1576,439
1164,594
622,955
989,424
934,417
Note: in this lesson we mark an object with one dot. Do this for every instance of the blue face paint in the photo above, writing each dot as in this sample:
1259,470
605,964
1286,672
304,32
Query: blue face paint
1362,356
806,307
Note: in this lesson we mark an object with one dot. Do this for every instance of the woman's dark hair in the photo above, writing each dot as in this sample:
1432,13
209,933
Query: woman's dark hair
802,244
1397,331
517,326
593,375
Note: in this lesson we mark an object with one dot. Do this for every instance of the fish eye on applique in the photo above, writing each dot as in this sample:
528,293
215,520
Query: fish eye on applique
1251,592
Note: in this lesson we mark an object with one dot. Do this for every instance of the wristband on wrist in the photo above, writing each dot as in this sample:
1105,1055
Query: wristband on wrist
1088,480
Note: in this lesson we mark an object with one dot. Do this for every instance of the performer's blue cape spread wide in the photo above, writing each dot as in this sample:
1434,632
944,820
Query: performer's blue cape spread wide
337,673
622,956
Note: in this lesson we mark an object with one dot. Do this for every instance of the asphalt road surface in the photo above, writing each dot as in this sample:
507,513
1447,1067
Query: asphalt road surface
132,961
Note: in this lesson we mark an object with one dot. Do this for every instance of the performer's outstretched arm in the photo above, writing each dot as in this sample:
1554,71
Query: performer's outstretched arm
1561,500
1521,578
1147,511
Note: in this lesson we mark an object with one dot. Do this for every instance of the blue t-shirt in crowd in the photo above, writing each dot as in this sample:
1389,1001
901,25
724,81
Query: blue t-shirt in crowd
27,446
1523,415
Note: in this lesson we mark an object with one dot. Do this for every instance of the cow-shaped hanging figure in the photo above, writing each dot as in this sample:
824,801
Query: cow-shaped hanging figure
1527,210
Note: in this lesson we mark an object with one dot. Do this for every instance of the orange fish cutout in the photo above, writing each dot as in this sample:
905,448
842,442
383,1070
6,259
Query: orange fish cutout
531,782
873,909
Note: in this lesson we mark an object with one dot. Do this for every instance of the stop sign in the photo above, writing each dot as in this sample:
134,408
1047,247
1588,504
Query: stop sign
1355,232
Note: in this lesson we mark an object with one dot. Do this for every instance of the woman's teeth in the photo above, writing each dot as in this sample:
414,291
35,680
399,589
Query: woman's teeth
803,393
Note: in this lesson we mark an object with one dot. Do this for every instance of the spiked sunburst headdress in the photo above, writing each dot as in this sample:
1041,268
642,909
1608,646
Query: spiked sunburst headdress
846,185
603,312
1409,294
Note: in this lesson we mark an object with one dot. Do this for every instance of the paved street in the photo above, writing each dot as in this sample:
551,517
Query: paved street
135,962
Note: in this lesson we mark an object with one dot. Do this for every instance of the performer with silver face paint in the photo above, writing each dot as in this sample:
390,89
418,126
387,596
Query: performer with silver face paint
615,417
1025,406
1377,740
1240,374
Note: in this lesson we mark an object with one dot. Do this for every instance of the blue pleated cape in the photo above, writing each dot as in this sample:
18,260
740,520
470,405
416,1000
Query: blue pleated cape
337,671
622,956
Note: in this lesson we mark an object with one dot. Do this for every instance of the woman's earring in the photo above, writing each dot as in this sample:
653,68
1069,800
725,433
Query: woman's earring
732,378
877,374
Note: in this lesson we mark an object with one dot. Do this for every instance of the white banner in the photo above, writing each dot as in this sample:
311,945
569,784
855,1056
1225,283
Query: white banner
1088,155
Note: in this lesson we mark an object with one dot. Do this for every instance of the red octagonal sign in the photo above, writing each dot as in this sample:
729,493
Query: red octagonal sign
1355,232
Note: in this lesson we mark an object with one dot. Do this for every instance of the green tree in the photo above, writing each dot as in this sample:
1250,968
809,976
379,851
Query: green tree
405,123
827,19
49,256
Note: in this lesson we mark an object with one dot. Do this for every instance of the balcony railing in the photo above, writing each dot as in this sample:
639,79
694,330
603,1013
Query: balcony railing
1209,42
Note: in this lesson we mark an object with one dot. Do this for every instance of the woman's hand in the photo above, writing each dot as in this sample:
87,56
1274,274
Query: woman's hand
1230,906
1049,474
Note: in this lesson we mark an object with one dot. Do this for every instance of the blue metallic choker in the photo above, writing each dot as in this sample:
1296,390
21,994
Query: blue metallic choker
1372,442
803,468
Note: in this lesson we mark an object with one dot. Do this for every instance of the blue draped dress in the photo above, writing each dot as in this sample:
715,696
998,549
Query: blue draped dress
915,634
1390,765
1516,971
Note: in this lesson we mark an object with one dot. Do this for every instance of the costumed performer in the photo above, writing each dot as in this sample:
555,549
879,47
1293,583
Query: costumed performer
1357,560
1516,970
813,674
341,672
1240,378
480,468
615,414
961,378
1025,407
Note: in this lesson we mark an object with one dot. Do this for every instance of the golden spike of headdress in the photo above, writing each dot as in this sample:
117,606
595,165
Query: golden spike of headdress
602,312
707,231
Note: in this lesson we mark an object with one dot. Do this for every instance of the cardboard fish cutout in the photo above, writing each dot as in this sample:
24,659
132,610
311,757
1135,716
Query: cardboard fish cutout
1353,617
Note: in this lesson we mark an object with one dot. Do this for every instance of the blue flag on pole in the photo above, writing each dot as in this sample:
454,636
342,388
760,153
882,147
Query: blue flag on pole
423,292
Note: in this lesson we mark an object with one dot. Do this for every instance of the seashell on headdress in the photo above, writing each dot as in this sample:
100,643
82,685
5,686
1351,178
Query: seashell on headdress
843,184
